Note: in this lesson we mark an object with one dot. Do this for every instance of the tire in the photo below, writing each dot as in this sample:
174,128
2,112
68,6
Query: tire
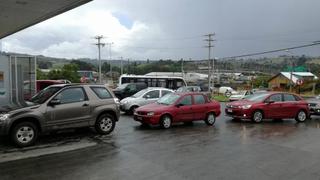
301,116
210,119
132,109
227,94
24,134
257,116
165,122
105,124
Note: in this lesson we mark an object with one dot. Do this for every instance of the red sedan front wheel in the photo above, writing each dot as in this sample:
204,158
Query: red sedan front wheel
211,119
301,116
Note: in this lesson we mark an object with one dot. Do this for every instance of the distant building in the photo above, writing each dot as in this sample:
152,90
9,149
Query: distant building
17,78
282,80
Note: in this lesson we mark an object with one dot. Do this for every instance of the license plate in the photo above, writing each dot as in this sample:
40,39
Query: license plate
139,118
229,110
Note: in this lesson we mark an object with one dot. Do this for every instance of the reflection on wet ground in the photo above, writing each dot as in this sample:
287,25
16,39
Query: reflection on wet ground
229,150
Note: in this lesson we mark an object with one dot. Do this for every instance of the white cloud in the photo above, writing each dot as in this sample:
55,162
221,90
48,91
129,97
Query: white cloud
159,28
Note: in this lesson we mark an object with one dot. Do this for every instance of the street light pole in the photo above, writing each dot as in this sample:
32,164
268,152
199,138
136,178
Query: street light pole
291,69
110,58
99,44
121,64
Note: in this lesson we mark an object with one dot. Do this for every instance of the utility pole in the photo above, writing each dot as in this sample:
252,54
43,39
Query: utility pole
128,66
182,70
99,44
121,66
210,68
291,69
110,58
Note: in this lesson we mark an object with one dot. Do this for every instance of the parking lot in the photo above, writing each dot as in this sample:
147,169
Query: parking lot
228,150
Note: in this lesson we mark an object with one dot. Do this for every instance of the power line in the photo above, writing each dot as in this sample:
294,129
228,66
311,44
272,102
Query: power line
272,51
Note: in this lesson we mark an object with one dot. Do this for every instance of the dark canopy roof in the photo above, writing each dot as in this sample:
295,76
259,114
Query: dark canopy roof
16,15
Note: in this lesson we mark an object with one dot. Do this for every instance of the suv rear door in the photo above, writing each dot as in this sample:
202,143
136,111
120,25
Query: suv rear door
73,109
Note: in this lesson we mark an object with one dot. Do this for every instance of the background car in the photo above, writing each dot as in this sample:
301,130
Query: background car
270,105
189,89
178,107
240,95
227,91
60,107
128,89
143,97
314,105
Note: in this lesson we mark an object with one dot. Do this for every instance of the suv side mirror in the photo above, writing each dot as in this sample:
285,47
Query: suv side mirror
54,102
179,105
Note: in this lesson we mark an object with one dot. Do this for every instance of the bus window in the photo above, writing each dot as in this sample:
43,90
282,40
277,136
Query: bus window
154,83
170,84
179,83
161,82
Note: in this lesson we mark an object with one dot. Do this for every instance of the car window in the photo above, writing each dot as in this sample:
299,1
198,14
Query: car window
186,100
289,97
152,94
101,92
199,99
71,95
164,92
275,98
132,87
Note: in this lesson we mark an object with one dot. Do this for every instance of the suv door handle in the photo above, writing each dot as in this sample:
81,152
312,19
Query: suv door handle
85,104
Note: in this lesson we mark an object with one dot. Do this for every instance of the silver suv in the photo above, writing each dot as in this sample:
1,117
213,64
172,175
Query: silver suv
143,97
59,107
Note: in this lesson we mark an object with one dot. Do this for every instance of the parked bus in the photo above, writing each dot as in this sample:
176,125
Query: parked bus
169,82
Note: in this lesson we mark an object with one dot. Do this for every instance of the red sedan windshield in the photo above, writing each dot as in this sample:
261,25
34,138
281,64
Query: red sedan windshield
168,99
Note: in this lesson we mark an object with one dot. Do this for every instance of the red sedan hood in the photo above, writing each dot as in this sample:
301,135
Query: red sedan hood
153,107
241,103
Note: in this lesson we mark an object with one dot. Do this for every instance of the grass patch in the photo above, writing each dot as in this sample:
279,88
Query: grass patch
220,98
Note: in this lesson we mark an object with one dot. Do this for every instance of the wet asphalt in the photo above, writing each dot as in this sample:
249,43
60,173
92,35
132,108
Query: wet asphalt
228,150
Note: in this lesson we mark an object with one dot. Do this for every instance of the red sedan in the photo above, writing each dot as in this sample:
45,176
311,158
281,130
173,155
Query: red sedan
269,105
178,107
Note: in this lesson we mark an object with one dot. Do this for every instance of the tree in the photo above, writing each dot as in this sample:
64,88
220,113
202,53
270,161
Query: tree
105,67
41,75
68,71
261,81
44,64
82,65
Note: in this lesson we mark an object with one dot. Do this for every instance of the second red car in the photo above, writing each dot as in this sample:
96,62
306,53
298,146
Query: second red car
269,105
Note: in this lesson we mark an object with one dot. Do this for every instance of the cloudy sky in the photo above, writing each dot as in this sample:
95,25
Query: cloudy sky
173,29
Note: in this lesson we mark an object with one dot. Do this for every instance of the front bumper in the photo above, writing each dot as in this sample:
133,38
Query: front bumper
153,120
314,111
124,107
238,113
3,129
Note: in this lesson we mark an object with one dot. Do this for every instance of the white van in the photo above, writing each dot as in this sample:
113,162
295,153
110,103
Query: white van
227,91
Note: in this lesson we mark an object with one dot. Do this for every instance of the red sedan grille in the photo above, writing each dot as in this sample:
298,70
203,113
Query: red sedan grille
142,113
